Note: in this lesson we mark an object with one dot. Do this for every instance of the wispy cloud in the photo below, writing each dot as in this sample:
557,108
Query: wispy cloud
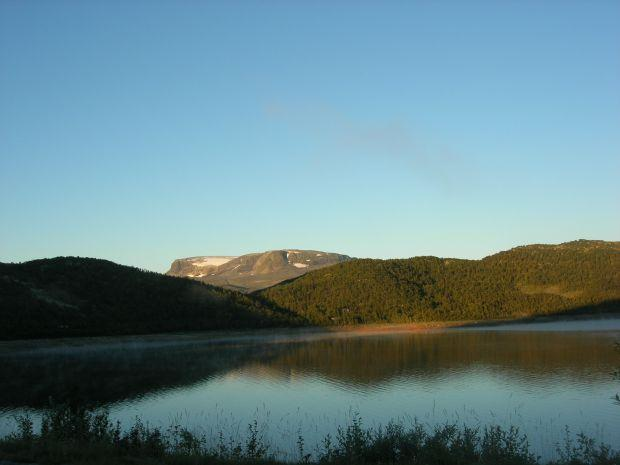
389,142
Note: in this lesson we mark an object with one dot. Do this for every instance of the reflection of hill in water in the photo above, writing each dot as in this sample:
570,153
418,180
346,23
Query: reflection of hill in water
109,375
371,360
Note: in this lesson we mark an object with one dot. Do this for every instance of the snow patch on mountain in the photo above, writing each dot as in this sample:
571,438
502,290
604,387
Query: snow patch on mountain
211,261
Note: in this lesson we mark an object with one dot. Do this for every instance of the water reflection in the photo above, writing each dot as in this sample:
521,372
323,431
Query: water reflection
369,361
537,380
103,375
107,375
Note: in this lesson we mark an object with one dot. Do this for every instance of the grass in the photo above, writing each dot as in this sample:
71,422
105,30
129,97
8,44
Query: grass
80,436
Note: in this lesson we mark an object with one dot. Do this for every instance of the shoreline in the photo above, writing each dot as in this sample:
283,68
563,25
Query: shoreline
276,335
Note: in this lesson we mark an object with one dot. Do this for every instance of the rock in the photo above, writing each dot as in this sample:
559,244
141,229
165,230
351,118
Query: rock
254,271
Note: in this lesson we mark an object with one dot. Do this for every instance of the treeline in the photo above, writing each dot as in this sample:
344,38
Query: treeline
525,281
71,296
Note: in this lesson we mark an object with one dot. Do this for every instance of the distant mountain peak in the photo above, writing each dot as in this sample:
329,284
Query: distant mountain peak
254,271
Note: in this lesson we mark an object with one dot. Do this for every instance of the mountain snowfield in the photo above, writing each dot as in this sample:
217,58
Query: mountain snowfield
253,271
205,264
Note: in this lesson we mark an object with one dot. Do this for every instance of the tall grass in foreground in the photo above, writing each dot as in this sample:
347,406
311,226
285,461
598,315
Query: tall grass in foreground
79,436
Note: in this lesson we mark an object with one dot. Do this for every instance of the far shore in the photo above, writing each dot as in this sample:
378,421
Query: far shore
277,335
457,324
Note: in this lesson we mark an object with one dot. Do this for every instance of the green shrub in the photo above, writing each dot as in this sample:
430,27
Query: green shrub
79,436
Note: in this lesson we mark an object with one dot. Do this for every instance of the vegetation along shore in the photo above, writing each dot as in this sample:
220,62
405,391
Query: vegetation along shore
80,436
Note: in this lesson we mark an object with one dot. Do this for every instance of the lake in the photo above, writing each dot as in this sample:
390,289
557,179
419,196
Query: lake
540,377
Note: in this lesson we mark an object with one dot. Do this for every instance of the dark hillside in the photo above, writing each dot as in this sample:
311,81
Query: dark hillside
70,296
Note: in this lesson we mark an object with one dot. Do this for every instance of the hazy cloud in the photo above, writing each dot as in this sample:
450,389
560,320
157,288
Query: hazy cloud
391,142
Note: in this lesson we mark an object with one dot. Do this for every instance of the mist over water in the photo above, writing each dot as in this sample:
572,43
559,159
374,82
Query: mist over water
540,378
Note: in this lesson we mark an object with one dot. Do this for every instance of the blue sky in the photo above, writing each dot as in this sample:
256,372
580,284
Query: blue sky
145,131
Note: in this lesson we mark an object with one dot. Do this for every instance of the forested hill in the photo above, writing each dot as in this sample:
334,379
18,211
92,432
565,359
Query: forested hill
70,296
525,281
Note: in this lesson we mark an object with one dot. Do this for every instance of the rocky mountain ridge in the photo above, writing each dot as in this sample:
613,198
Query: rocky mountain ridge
253,271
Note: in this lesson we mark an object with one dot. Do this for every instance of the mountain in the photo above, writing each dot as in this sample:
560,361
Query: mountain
254,271
521,282
69,296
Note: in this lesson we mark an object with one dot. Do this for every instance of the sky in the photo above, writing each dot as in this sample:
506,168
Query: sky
144,131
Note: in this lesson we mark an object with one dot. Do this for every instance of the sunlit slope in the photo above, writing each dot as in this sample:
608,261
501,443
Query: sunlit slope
524,281
70,296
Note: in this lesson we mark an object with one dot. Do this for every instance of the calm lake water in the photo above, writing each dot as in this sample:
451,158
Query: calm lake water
540,377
